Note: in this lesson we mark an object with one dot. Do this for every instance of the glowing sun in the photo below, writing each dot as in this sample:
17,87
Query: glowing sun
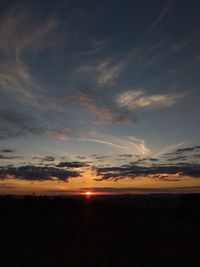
88,193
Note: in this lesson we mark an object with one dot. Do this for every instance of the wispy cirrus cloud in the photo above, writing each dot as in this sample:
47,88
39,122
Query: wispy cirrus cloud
105,110
105,71
19,124
21,30
109,71
16,79
161,16
96,47
24,31
140,56
180,45
134,99
166,150
128,145
61,134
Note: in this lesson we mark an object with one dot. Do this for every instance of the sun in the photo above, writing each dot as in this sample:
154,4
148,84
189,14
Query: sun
88,193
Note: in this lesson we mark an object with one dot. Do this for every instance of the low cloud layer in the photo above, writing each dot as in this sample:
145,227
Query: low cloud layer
172,166
8,157
7,150
35,173
158,171
74,164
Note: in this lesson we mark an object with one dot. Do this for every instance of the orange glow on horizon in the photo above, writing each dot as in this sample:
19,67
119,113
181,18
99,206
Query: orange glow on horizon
88,186
88,193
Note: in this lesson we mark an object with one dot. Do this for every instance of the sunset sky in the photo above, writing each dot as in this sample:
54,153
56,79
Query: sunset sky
100,96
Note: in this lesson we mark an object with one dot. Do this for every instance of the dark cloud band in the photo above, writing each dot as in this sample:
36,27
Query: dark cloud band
34,173
158,171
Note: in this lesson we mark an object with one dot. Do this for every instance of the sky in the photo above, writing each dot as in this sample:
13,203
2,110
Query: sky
100,96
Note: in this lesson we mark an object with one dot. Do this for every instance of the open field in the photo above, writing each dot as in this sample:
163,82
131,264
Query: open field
156,230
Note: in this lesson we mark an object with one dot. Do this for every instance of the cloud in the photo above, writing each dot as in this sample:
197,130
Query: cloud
75,164
154,172
126,145
161,16
166,149
106,111
177,158
16,81
34,173
15,124
103,142
47,158
62,134
105,72
7,186
8,157
21,30
180,46
146,160
96,47
81,157
101,158
135,99
109,71
7,150
183,153
187,149
171,167
15,78
126,156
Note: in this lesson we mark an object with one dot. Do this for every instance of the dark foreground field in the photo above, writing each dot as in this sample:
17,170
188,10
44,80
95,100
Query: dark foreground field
100,231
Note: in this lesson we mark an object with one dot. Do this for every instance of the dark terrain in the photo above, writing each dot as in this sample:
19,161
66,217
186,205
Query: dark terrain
154,230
